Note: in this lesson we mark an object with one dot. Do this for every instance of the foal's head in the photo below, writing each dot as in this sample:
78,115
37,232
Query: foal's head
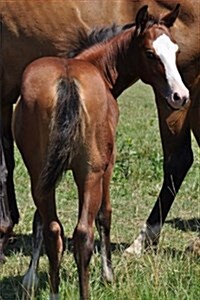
156,53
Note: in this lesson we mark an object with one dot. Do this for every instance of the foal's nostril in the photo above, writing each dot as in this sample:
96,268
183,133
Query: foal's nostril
176,97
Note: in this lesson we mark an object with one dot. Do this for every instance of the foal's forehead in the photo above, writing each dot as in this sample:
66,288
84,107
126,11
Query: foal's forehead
153,34
164,43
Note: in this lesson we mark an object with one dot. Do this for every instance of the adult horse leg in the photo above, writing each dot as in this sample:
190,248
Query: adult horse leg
30,280
194,246
5,219
90,197
103,223
178,158
8,207
8,147
195,111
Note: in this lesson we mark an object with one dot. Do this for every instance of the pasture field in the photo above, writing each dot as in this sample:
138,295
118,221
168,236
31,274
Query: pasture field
171,274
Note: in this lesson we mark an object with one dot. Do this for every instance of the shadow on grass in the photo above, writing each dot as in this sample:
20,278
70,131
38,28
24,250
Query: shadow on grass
185,225
11,287
22,243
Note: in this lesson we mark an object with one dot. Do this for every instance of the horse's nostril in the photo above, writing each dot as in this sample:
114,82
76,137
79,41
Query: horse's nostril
176,97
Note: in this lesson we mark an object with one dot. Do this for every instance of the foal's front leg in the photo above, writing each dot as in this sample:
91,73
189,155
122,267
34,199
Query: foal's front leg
90,196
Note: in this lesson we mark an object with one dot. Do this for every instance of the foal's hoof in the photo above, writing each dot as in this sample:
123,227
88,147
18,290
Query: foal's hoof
194,247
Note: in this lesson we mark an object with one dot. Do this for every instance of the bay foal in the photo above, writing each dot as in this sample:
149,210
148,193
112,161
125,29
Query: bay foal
66,119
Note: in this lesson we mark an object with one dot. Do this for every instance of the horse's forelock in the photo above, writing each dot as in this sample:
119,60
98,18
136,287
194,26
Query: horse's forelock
152,20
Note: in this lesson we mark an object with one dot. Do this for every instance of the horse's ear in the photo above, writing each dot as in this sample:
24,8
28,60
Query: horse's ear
170,18
141,19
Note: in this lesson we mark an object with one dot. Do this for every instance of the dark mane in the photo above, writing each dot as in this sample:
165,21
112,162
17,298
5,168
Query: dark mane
84,40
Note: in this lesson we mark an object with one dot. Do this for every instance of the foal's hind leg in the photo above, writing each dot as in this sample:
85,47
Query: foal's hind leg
49,227
103,223
31,138
30,280
54,240
90,196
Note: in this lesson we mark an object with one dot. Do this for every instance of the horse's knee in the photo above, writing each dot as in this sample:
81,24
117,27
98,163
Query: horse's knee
83,244
55,229
54,238
180,162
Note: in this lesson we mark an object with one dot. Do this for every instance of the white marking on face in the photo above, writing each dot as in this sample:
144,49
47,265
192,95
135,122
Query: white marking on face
166,50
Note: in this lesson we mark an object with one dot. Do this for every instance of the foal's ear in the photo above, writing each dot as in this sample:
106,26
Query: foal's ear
169,19
141,19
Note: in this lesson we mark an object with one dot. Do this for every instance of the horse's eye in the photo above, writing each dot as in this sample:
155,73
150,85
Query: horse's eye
150,54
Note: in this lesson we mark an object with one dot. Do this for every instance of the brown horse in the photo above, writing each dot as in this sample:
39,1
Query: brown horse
66,119
31,29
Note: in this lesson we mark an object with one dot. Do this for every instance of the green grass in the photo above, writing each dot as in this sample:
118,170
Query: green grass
137,178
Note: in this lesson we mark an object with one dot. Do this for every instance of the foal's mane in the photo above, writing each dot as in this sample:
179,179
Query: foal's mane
84,40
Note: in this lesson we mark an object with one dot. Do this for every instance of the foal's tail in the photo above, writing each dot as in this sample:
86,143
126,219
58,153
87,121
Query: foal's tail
64,136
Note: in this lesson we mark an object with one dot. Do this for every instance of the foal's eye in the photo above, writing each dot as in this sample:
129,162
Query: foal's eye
150,54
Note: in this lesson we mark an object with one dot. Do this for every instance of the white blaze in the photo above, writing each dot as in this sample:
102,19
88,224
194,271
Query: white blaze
166,50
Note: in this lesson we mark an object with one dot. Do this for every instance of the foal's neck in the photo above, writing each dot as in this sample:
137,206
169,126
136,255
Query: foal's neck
114,59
